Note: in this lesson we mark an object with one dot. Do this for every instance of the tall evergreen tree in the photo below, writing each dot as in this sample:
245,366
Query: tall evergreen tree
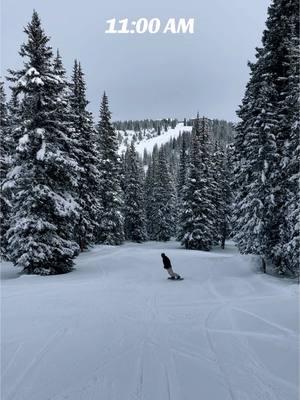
262,137
14,114
149,193
254,204
10,135
164,200
216,171
111,220
197,227
290,226
123,163
43,173
221,194
5,205
135,219
83,134
183,165
182,175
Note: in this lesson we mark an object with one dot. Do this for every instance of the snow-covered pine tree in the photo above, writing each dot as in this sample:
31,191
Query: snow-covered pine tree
216,171
14,115
83,133
164,200
262,136
182,175
197,225
149,190
134,210
290,225
3,114
43,174
145,157
123,164
183,165
221,193
279,40
5,205
111,220
64,110
254,174
10,136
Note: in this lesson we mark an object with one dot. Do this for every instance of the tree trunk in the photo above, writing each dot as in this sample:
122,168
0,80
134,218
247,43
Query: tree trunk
223,243
263,265
81,246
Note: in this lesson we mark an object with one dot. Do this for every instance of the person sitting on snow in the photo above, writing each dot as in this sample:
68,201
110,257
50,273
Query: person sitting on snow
168,267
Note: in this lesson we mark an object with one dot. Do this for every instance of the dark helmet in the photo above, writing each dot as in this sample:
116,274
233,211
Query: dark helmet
163,254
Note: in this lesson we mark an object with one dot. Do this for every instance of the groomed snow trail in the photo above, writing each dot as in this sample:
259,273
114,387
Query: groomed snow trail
117,329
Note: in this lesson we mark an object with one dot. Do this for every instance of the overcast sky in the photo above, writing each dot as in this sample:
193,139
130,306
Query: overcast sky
149,76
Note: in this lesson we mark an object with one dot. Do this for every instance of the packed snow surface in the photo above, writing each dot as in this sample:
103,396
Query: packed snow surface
117,329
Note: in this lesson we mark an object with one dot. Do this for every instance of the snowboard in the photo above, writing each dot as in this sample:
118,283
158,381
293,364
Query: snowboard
179,279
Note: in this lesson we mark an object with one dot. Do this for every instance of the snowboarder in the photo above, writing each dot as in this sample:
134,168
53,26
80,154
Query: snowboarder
168,267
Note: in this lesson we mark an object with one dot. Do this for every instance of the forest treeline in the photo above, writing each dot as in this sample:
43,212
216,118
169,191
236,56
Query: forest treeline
65,186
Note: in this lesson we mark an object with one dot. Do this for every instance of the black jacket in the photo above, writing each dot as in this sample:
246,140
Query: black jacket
167,262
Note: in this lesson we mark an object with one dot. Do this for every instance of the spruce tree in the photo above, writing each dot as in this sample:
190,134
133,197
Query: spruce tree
164,200
254,204
182,179
262,139
183,165
43,174
10,135
83,134
135,219
123,164
197,227
14,115
5,204
221,194
149,193
290,227
111,220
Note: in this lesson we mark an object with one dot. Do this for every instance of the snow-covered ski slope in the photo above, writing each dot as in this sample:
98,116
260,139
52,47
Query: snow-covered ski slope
149,143
117,329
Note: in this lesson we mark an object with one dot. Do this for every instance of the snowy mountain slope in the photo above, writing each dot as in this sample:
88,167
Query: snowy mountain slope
150,138
165,137
117,329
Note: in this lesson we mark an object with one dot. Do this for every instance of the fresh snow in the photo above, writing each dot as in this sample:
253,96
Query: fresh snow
162,139
32,72
149,143
23,141
41,153
117,329
38,81
14,172
40,132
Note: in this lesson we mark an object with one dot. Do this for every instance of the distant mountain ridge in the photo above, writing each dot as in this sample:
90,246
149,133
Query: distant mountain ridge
146,134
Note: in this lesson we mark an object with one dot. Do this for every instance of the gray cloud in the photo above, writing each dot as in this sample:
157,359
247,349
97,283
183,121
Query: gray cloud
149,75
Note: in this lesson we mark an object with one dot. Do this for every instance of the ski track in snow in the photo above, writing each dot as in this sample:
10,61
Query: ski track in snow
117,329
